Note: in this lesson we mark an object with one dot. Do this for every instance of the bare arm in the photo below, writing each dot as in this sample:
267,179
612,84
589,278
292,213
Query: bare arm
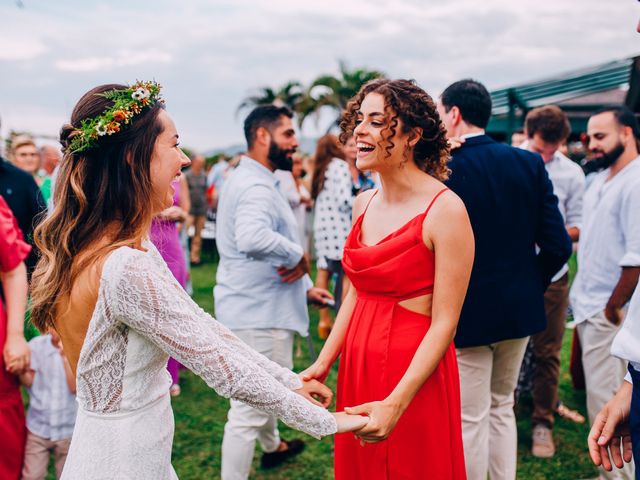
26,378
448,229
15,350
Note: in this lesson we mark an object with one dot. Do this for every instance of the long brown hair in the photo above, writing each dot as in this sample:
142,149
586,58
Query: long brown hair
406,101
108,186
327,149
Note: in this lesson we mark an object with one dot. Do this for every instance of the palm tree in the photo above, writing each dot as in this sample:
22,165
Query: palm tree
288,95
334,91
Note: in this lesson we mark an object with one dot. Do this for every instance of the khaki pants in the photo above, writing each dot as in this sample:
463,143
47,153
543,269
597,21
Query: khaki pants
488,378
196,242
603,374
37,453
546,350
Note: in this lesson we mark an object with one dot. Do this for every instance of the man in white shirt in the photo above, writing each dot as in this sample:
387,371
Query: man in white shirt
547,128
262,282
609,255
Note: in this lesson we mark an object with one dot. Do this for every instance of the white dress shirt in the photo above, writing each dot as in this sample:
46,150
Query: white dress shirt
609,239
52,406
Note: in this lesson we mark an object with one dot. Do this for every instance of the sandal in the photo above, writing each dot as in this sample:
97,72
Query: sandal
324,330
568,414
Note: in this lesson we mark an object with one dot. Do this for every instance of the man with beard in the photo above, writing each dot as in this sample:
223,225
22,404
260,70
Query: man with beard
262,283
609,255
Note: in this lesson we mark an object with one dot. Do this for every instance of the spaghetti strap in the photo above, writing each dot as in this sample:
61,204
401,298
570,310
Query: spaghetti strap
369,201
432,201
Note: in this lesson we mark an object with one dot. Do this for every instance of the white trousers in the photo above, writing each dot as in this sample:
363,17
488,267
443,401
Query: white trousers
246,424
488,378
603,374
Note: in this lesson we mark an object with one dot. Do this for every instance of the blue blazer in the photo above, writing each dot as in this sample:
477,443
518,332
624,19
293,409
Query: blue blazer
512,209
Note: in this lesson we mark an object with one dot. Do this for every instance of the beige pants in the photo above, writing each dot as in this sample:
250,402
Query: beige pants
36,456
488,378
603,374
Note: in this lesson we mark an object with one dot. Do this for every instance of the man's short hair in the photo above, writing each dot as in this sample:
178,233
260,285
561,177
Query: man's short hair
472,99
624,116
550,122
266,116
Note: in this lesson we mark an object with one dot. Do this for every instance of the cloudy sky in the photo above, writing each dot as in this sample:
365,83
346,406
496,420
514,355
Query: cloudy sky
210,54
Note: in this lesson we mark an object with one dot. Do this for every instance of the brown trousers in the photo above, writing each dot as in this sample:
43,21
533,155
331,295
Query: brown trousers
546,350
36,456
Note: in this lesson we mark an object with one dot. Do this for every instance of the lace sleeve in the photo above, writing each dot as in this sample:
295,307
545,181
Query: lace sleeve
143,294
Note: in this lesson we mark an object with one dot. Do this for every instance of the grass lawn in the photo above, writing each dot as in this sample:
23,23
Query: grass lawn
200,416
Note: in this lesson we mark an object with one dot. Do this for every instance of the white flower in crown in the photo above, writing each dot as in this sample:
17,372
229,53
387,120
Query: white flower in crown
101,129
140,94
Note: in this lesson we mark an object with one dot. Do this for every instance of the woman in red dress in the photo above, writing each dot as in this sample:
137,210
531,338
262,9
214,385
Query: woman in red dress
15,351
409,257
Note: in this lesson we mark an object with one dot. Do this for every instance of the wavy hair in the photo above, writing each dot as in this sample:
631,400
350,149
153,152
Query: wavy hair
105,189
408,106
327,148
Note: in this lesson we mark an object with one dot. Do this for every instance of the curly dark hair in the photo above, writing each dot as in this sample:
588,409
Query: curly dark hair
414,107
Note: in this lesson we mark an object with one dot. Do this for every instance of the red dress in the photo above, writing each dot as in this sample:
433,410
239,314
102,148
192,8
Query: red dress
13,250
380,342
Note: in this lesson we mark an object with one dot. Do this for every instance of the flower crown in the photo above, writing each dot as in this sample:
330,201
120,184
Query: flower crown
127,103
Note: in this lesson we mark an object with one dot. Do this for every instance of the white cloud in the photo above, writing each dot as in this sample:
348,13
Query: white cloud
124,58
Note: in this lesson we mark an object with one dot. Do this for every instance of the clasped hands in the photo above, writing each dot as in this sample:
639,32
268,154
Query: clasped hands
370,422
16,353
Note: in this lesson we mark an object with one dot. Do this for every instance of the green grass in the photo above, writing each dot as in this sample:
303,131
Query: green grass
200,416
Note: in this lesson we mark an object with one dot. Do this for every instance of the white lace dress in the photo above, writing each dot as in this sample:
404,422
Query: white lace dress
124,428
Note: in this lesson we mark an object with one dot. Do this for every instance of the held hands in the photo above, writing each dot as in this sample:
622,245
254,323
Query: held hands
315,392
610,431
17,355
349,423
290,275
383,416
318,370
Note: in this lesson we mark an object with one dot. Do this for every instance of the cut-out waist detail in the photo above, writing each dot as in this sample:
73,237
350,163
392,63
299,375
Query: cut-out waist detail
378,297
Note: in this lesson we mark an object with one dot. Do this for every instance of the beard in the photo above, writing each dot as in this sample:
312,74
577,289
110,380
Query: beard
607,158
280,158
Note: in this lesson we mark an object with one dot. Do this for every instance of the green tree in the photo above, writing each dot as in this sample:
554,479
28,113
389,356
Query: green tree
288,95
334,91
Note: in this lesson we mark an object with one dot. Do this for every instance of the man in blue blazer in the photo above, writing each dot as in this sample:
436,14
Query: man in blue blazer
521,242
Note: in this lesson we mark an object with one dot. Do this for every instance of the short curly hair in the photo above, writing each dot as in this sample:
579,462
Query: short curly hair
406,101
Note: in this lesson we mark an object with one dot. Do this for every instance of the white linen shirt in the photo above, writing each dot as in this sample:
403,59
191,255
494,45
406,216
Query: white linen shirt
609,239
52,406
626,344
256,233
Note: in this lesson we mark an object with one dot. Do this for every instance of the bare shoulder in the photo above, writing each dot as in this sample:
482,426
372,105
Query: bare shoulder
361,202
447,219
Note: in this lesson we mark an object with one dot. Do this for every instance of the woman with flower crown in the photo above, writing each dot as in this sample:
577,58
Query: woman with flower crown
118,309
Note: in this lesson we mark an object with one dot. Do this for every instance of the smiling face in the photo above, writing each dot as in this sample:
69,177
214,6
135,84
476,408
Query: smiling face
283,144
167,161
372,134
605,139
